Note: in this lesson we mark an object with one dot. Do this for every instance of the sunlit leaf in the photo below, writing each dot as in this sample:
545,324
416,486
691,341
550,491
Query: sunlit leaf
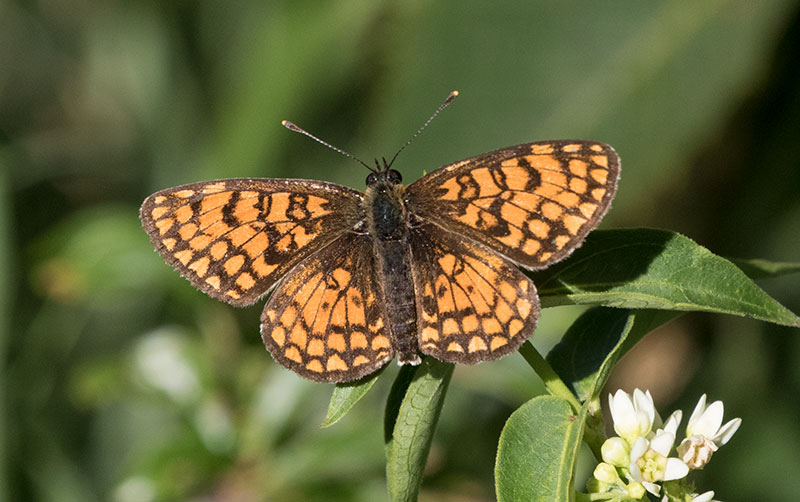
656,269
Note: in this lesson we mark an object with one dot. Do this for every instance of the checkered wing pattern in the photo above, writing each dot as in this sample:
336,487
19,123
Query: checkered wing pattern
325,320
534,203
472,304
234,239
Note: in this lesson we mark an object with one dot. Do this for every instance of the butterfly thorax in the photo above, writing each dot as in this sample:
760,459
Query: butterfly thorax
387,225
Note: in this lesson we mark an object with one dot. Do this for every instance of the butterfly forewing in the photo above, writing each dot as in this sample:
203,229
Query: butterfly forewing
325,320
534,203
472,304
234,239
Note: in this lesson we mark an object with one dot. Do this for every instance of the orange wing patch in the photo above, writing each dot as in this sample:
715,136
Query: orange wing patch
325,321
533,203
472,305
233,239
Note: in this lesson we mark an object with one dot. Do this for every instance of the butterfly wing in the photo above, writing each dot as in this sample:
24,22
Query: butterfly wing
325,320
472,304
534,203
234,238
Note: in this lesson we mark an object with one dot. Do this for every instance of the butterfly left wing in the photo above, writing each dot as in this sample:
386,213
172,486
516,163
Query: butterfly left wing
472,304
534,203
325,320
233,239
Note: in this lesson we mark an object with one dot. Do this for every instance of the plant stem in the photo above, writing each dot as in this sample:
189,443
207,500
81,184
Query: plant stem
552,382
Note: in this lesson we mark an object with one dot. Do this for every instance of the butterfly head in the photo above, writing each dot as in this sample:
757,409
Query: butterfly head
384,175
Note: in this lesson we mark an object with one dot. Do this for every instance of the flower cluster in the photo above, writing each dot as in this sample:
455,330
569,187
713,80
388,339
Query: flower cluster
637,461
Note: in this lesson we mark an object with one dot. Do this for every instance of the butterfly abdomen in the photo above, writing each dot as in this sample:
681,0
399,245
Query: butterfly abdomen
388,228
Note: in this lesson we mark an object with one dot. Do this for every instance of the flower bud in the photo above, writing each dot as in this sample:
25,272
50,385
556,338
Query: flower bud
616,452
606,473
635,490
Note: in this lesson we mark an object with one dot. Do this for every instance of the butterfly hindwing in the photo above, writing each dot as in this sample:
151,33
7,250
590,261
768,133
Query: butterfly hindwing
472,304
534,203
233,239
325,319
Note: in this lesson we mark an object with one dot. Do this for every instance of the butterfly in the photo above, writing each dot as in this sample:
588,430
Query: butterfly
358,279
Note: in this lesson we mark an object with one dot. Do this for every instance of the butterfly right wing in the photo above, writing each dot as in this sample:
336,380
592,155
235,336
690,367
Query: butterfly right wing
325,319
533,203
234,238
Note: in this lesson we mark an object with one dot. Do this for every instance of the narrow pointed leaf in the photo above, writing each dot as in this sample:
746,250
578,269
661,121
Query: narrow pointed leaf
346,395
413,427
537,451
655,269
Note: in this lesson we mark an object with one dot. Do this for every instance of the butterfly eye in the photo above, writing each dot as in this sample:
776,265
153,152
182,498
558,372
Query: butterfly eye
372,178
394,176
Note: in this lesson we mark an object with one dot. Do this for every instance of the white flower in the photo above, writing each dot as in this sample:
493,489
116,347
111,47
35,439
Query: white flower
633,417
706,421
650,464
705,433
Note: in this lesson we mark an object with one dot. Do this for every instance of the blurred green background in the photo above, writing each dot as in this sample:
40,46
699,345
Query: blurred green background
119,381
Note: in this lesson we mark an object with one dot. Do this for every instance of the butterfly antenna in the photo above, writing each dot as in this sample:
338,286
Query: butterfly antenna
292,127
447,101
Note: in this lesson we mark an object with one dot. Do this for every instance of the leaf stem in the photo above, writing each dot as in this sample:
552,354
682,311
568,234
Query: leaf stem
552,382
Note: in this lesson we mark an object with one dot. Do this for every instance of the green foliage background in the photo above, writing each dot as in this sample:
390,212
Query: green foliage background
120,382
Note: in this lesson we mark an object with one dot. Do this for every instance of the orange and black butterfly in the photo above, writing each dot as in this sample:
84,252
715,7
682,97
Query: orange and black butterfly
397,271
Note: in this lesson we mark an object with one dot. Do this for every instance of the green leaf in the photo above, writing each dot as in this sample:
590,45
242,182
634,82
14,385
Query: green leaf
346,395
758,269
590,348
537,451
412,424
655,269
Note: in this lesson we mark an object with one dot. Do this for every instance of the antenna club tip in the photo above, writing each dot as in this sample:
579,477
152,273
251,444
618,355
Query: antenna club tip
450,98
284,122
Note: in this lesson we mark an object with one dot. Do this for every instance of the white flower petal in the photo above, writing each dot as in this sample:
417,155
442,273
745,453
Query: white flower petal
675,469
638,448
643,401
699,408
705,497
709,422
651,487
636,473
662,443
728,430
623,413
673,421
